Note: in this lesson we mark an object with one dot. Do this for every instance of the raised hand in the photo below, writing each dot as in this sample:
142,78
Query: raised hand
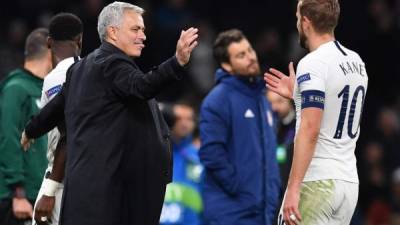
186,43
280,83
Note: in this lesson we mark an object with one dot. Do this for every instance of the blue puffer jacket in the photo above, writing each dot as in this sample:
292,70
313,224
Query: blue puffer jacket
241,182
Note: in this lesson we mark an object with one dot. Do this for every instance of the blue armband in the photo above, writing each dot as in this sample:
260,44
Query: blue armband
312,98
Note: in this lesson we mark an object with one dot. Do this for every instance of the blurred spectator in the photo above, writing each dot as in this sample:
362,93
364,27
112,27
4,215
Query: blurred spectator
388,133
382,15
169,19
373,197
286,129
183,204
88,11
269,49
382,30
238,141
395,199
203,65
378,213
295,51
167,111
21,172
11,53
173,15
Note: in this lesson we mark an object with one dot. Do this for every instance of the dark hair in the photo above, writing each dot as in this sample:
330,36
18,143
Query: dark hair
65,26
36,44
221,44
168,113
323,14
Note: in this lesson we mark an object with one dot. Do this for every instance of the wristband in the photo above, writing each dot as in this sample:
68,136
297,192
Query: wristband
50,187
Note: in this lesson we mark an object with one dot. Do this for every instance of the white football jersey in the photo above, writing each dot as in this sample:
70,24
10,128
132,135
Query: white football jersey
334,79
51,86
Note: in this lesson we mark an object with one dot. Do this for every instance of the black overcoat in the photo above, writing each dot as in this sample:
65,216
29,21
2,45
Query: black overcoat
118,157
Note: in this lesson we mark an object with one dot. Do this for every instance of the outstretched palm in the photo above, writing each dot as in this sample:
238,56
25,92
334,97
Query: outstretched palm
280,83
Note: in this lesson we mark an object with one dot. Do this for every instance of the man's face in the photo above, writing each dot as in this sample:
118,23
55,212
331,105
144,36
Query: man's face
242,59
130,35
184,124
302,36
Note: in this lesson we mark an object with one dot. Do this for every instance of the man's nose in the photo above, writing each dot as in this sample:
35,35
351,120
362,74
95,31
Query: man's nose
142,35
251,57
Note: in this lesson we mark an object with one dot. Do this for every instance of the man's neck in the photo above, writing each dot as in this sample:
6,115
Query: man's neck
62,52
316,40
37,68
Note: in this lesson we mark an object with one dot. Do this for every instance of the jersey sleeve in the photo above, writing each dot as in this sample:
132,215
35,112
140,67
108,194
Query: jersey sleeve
310,78
43,98
51,87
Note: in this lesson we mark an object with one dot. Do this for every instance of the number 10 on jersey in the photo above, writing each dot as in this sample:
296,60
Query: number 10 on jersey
343,111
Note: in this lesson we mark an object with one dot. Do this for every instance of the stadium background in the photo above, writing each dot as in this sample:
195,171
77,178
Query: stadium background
370,27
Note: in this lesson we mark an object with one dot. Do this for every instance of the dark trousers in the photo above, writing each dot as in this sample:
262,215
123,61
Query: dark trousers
7,216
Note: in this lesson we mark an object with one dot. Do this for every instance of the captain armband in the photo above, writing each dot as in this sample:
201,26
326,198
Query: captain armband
312,98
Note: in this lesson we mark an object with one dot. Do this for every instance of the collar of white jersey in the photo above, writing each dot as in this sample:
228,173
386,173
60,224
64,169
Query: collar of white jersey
66,62
326,45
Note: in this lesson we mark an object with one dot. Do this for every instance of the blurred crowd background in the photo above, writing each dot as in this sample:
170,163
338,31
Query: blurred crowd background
370,27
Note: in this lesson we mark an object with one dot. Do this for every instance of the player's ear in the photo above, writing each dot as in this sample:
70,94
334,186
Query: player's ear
306,22
78,41
50,42
227,67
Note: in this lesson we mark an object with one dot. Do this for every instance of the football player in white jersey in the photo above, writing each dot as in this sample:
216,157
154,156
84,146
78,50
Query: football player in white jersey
329,90
65,42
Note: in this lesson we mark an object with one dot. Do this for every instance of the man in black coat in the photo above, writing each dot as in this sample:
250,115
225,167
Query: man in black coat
118,157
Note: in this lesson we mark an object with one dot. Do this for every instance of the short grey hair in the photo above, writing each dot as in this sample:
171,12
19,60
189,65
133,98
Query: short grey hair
112,14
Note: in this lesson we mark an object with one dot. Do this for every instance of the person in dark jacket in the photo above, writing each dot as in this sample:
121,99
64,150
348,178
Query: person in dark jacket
118,156
238,143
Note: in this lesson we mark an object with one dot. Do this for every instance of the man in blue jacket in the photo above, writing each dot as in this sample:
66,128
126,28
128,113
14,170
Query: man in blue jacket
238,143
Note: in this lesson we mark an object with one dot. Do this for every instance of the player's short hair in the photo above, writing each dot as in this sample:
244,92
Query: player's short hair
36,44
65,27
323,14
221,44
112,14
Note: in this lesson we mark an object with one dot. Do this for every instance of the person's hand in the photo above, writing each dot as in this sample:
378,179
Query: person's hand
291,214
280,83
43,209
186,43
22,208
25,141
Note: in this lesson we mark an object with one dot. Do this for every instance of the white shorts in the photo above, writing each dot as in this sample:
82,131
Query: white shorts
326,202
55,215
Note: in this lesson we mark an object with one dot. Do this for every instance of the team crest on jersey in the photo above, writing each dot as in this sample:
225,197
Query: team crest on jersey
53,90
302,78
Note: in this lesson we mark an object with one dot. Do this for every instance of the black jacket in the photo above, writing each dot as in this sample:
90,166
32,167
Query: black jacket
118,157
